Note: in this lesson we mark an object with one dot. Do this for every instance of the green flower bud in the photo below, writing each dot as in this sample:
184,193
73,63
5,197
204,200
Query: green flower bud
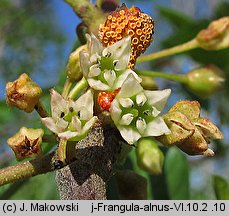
148,83
74,72
205,81
26,143
215,36
149,156
23,93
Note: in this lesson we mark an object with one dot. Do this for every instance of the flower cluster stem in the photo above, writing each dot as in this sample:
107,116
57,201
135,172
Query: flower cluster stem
192,44
67,87
41,110
78,88
155,74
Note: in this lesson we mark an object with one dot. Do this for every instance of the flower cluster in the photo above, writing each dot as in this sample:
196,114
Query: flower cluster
70,119
134,111
106,68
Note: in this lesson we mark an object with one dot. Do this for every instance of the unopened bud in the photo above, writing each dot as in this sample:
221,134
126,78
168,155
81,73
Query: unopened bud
205,81
74,71
180,126
148,83
149,157
203,130
23,93
215,36
26,143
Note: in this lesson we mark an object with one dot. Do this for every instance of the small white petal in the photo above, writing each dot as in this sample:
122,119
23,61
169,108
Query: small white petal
61,123
141,99
67,135
89,125
157,127
126,119
84,62
58,104
94,71
141,125
121,49
95,46
84,114
110,77
51,125
98,85
155,112
131,85
126,102
129,134
85,101
157,99
115,111
121,65
76,123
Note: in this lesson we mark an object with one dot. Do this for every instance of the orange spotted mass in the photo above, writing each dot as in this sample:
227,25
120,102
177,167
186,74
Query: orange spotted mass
132,22
105,99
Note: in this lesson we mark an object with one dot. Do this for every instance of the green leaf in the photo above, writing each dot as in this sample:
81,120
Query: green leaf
177,174
221,188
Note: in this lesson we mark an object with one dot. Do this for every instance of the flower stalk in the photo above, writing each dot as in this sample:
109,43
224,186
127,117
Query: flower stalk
192,44
156,74
39,107
67,86
78,88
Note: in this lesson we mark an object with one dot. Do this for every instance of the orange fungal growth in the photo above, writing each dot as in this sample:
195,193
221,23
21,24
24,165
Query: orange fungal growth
128,22
105,99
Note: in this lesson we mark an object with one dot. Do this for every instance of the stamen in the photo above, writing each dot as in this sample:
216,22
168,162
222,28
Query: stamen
126,102
126,119
141,99
141,125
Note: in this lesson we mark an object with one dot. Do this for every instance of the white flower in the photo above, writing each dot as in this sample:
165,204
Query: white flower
135,111
71,120
106,68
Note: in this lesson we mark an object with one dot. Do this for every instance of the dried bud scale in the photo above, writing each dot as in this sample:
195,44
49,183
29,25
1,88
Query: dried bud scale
23,93
128,22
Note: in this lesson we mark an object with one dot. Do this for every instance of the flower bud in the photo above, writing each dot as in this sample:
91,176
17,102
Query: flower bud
23,93
149,156
215,36
148,83
26,143
74,72
205,81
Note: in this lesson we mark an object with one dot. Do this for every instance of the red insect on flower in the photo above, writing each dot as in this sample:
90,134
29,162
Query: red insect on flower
105,99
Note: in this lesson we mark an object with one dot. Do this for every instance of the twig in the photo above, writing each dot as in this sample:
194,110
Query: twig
92,16
27,169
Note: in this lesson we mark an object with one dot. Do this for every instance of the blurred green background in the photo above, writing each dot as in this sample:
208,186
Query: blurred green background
37,36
